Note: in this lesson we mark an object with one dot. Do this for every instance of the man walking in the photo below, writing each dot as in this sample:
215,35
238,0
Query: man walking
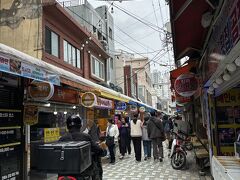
156,134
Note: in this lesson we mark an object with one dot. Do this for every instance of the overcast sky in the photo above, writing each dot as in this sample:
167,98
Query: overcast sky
153,11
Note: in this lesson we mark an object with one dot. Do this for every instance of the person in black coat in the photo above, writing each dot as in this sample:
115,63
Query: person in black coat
74,124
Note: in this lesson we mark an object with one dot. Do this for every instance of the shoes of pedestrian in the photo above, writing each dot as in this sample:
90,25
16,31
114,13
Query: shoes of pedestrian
145,158
138,161
112,162
160,159
121,157
149,157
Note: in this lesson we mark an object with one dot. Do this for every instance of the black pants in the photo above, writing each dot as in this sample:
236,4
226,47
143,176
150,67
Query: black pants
129,145
112,153
137,144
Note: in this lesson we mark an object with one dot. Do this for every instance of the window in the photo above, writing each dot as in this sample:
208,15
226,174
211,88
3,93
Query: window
71,54
97,68
111,63
51,42
110,33
140,91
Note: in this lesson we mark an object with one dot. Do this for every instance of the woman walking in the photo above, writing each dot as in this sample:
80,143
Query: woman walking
124,137
136,134
112,134
147,143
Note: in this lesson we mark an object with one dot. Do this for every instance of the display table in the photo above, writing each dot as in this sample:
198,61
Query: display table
225,168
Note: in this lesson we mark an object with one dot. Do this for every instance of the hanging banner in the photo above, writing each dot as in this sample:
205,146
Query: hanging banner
26,70
186,85
30,115
120,106
41,90
88,99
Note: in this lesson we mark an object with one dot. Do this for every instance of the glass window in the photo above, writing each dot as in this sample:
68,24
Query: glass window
65,49
69,54
97,68
111,63
78,59
72,55
51,42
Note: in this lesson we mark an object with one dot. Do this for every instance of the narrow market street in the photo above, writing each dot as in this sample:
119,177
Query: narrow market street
129,169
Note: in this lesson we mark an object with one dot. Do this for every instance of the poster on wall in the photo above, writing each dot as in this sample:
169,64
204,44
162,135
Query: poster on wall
30,115
225,115
226,136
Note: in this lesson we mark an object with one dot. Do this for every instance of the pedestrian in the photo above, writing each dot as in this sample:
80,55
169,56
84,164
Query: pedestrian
93,130
74,124
129,149
167,128
147,143
124,137
112,134
136,134
156,134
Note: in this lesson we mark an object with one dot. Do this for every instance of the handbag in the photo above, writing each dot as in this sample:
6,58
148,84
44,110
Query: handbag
109,139
163,137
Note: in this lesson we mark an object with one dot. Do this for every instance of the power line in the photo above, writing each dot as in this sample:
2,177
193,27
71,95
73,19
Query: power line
148,24
142,68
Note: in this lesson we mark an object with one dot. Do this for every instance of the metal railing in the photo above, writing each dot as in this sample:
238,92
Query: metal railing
69,3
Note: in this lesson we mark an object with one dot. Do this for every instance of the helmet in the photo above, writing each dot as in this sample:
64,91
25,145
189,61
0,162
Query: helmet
74,122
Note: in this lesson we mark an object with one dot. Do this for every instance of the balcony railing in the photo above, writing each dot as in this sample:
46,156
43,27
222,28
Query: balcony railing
69,3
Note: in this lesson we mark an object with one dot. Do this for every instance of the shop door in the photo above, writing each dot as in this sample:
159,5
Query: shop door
11,137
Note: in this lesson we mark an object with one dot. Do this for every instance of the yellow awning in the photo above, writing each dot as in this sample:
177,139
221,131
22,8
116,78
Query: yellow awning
111,96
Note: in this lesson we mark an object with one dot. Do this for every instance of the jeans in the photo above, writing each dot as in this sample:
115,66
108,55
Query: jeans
147,147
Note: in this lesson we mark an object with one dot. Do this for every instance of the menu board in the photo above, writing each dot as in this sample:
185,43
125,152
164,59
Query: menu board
10,144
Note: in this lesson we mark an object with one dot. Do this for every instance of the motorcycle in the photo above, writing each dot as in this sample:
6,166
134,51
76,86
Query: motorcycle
180,145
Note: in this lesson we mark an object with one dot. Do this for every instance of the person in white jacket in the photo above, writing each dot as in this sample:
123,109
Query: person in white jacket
136,134
112,132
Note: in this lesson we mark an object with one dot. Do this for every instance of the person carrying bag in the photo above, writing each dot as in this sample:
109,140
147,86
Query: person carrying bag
112,134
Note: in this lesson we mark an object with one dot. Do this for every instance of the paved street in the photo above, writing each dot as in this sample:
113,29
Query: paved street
127,169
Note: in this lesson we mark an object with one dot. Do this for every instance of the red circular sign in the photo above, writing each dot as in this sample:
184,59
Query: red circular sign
186,85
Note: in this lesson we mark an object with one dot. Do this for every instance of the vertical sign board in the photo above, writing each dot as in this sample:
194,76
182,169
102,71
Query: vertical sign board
10,144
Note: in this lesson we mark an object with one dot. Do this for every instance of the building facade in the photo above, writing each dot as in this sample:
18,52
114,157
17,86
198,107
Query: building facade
99,22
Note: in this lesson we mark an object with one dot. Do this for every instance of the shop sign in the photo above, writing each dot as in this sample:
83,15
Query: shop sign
142,109
230,98
104,103
89,99
30,115
120,106
65,95
26,70
186,85
41,90
51,134
180,100
133,108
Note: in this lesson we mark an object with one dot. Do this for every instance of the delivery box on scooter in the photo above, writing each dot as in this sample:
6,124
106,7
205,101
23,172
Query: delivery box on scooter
64,157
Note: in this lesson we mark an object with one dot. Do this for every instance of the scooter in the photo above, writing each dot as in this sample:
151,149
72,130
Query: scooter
179,150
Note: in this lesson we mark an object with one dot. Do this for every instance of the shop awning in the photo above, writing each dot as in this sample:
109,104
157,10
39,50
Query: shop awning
12,53
188,32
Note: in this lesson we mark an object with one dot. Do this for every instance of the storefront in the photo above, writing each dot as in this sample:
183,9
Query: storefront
222,94
14,75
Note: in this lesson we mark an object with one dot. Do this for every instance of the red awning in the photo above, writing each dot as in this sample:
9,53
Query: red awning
188,33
